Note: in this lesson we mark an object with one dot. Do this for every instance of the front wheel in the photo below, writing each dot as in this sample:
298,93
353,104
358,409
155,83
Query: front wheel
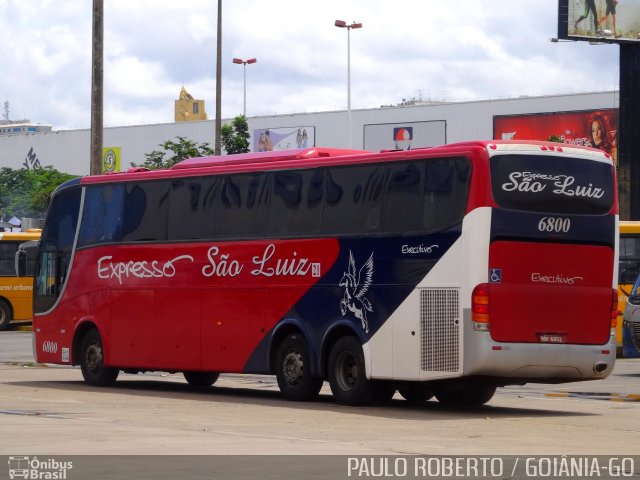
293,370
5,315
94,371
347,375
200,379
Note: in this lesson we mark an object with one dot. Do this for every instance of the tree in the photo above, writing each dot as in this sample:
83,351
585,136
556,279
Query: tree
26,193
235,137
177,151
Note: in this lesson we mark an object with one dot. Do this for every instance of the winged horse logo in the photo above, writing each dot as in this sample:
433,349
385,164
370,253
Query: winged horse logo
355,289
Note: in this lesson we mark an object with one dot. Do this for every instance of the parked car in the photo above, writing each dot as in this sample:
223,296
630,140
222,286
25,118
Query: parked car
631,323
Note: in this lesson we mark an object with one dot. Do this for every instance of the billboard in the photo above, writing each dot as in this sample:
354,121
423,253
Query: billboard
111,159
591,128
270,139
405,135
599,20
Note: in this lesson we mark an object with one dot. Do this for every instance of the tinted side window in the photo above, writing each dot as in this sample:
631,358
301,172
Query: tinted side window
242,206
191,210
297,202
353,199
403,209
146,211
7,259
446,188
102,215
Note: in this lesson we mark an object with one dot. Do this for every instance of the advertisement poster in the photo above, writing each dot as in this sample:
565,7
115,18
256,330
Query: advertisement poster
270,139
405,136
604,20
110,159
592,128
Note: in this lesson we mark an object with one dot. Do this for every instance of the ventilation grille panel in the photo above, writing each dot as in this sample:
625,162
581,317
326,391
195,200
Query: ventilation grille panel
440,329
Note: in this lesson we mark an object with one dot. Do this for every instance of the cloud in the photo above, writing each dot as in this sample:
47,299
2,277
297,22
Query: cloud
458,50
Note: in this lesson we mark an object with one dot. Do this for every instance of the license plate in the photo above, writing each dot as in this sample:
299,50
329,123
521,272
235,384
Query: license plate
551,338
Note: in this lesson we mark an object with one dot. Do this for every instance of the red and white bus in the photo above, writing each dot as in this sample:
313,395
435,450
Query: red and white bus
445,271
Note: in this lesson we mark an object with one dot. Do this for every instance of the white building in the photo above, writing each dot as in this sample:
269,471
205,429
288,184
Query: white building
403,127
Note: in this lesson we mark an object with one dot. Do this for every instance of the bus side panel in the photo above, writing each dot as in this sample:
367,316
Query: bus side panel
370,279
176,332
131,328
230,295
18,293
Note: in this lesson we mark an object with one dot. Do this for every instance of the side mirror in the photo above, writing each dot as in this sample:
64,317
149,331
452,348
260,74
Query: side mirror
21,263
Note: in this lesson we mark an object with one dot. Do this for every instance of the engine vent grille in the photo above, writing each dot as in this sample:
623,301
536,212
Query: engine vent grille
440,329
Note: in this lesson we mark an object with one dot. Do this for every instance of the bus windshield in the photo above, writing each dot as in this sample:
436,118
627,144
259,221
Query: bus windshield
55,248
561,185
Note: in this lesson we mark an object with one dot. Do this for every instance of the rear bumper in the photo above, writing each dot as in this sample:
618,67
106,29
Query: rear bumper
536,362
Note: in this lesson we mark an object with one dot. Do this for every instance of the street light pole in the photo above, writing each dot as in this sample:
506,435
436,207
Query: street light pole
97,73
244,63
343,24
218,129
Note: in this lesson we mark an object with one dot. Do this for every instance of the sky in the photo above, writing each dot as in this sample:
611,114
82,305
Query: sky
456,50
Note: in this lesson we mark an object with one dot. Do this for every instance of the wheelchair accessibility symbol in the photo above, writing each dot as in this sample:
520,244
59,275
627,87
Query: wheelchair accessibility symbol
495,275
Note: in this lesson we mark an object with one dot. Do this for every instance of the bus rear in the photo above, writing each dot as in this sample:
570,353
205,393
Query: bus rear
547,308
15,292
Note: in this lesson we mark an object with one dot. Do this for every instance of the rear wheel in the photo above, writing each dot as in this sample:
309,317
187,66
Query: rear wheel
293,370
347,375
5,315
465,393
201,379
94,371
416,392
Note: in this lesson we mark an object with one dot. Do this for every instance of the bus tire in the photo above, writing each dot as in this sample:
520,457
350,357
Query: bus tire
94,371
468,393
416,392
293,370
200,380
5,315
347,375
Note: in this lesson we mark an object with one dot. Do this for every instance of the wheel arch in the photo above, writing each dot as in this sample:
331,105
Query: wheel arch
282,331
6,301
81,330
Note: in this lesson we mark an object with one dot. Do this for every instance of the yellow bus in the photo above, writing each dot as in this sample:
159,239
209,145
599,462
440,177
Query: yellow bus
629,268
15,293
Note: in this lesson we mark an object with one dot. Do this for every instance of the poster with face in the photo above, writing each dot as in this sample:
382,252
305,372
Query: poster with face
591,128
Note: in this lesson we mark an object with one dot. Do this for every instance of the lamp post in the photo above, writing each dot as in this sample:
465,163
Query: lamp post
244,63
343,24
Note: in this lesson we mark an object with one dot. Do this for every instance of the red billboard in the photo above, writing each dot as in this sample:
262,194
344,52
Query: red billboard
592,128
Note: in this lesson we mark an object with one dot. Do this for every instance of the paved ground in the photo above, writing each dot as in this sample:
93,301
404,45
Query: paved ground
50,410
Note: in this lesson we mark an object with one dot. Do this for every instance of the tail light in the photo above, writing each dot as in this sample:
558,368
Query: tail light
480,307
614,311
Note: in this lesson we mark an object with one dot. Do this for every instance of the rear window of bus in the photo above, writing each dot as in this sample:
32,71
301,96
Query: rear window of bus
558,185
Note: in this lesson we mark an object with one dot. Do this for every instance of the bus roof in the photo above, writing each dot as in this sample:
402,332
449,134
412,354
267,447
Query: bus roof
243,158
320,156
629,227
30,234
